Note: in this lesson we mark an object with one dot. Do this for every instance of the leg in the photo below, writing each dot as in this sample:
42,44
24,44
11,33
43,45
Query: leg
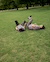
16,23
24,24
30,19
29,23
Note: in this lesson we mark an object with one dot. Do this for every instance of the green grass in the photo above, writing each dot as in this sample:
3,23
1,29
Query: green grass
27,46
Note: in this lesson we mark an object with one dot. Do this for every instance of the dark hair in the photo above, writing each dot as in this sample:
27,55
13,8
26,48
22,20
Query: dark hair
21,30
16,22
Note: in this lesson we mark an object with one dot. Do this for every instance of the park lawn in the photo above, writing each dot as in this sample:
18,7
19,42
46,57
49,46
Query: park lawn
27,46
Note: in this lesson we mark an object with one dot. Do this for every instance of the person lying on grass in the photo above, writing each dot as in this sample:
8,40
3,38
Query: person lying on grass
33,26
20,27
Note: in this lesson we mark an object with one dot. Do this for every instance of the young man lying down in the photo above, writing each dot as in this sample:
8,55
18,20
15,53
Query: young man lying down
20,27
33,26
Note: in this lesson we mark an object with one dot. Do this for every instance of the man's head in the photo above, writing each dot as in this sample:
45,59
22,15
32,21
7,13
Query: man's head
16,22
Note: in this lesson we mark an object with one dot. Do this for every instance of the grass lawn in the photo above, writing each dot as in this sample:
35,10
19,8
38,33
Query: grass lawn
27,46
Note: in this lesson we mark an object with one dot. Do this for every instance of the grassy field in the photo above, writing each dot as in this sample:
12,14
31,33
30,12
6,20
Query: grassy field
27,46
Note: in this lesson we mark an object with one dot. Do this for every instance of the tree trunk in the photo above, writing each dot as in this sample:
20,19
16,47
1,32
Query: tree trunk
17,7
27,6
42,3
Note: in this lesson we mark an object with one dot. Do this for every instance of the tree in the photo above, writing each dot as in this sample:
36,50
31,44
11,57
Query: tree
26,2
48,2
17,3
5,3
10,4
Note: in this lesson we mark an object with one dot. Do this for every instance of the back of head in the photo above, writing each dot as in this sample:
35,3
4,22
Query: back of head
21,30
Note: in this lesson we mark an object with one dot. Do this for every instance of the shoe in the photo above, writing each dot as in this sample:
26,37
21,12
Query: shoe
43,27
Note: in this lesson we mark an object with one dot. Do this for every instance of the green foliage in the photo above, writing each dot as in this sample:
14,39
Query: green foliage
11,4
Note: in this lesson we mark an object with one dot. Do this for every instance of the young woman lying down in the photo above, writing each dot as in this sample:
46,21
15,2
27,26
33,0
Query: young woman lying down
33,26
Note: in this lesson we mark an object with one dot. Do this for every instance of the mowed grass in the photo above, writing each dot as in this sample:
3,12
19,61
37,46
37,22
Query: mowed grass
27,46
